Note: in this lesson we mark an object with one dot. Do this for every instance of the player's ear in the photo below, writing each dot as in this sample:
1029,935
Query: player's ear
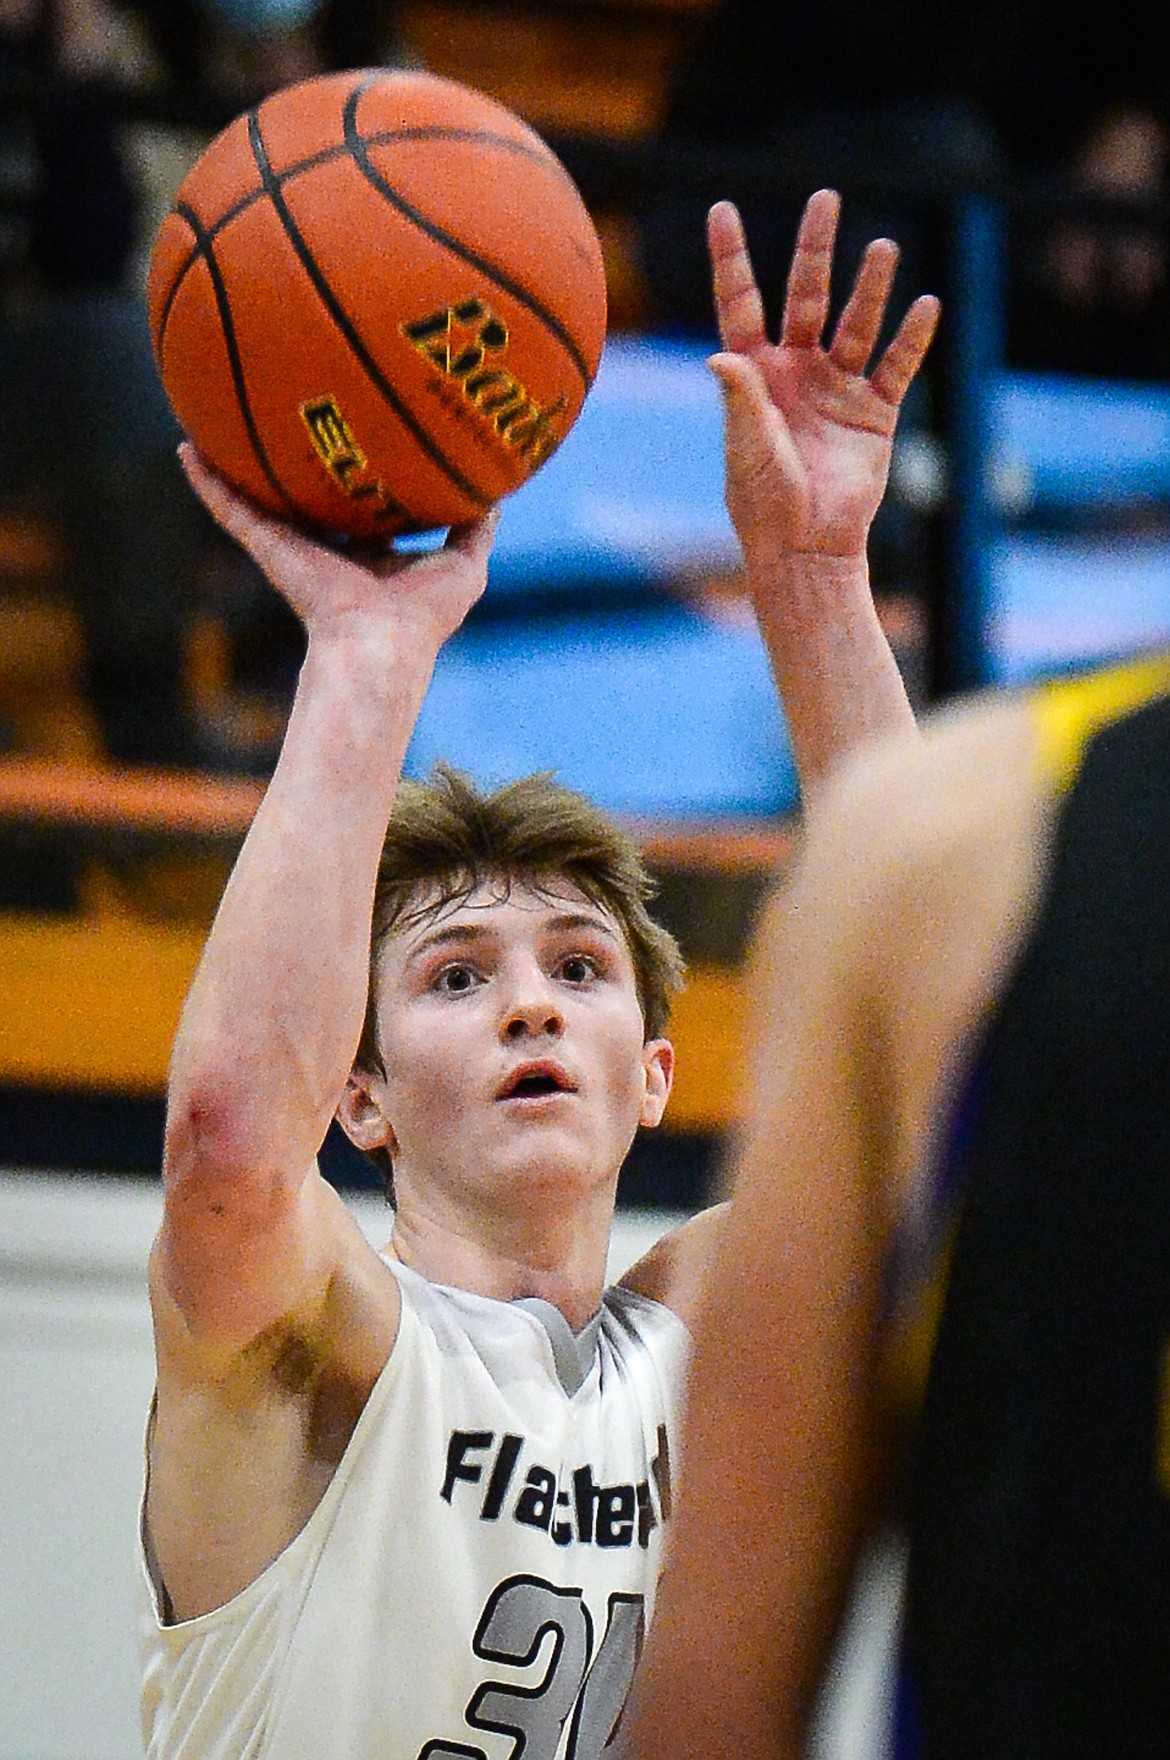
658,1067
360,1114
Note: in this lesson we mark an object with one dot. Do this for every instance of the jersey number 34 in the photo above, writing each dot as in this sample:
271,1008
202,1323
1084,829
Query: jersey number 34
586,1692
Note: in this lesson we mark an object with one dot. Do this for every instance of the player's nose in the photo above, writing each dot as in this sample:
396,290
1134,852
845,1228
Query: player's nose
531,1006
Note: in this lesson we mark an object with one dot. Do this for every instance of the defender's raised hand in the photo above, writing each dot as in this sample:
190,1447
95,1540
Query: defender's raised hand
809,425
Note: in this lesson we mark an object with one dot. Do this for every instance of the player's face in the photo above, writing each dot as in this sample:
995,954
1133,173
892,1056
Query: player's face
512,1038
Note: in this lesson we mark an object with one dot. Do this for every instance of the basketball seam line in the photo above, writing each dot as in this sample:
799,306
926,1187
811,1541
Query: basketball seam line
344,324
383,137
502,279
236,365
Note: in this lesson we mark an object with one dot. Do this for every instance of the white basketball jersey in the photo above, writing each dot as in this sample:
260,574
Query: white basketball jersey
476,1580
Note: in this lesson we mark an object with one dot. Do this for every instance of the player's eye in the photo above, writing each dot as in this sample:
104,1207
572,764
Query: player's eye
578,968
456,979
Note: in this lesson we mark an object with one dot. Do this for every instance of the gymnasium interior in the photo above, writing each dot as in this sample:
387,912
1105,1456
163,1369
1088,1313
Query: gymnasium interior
1026,534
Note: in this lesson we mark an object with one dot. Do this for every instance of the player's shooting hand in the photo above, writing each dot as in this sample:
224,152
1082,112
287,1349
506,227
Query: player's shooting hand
422,597
809,426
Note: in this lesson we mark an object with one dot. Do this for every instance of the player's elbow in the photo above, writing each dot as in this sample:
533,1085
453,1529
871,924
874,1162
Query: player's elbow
209,1134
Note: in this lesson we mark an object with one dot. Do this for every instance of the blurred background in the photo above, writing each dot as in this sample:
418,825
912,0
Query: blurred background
1018,154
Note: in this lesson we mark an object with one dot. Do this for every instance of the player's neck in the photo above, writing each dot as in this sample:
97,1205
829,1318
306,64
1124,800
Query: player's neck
562,1260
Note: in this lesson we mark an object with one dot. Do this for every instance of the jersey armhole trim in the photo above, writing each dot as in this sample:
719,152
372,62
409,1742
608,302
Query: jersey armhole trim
320,1517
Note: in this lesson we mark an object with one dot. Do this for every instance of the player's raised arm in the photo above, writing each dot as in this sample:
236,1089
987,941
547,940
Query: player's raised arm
273,1018
809,429
810,423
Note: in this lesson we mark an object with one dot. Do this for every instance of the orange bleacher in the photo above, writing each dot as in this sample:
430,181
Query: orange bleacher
92,1000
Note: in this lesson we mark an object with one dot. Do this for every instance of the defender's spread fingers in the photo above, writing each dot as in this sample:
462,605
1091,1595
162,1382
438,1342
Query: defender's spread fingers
860,322
905,354
739,308
806,305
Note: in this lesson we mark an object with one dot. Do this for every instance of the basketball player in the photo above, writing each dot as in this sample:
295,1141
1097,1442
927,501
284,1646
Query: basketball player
410,1504
965,994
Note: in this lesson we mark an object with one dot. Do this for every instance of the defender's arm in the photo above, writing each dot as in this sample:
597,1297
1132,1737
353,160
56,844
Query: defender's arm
808,436
916,884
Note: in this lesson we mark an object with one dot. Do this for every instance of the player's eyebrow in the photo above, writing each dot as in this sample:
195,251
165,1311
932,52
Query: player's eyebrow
446,934
581,920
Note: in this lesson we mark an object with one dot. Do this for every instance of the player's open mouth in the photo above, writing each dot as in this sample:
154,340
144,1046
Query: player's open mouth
536,1081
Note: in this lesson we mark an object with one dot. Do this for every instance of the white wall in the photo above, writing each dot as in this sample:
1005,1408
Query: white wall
75,1378
75,1381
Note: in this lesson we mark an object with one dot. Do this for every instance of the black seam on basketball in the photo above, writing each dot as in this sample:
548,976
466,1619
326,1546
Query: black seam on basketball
502,279
382,138
337,312
182,212
223,306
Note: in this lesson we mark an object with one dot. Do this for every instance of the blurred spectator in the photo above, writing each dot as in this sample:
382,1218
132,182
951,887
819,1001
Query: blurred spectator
92,449
908,90
885,89
246,47
90,440
1093,296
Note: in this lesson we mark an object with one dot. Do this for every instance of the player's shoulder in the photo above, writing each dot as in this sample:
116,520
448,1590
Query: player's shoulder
673,1274
981,785
990,762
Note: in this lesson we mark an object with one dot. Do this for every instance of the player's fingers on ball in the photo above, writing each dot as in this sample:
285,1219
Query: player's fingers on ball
859,324
806,304
263,538
220,500
475,539
901,360
739,308
196,472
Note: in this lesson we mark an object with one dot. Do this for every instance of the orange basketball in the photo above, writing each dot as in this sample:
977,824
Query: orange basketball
377,302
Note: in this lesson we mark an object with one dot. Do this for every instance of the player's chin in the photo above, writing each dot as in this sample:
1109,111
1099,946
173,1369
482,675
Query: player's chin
550,1160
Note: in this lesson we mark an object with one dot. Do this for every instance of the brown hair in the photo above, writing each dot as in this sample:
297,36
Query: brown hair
447,835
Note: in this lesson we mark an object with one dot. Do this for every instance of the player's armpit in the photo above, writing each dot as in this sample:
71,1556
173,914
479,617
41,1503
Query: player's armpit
226,1275
252,1418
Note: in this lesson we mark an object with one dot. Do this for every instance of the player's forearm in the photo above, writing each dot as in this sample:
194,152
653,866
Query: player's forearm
834,669
273,1017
